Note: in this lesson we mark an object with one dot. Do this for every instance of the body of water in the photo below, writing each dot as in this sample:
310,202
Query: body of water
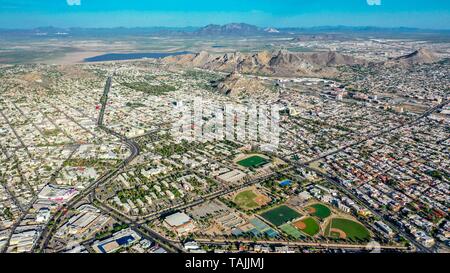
132,56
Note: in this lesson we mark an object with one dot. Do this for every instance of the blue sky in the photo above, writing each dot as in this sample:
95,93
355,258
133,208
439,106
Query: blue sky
176,13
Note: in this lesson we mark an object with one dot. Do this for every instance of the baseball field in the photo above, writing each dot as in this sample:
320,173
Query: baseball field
319,210
308,226
347,229
248,199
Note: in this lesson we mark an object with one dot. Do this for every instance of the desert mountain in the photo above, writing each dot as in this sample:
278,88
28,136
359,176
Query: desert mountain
421,56
236,84
277,63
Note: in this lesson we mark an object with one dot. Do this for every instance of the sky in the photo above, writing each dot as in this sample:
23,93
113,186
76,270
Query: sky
429,14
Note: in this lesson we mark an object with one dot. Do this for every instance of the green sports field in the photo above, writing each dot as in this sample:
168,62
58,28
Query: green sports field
245,200
352,229
280,215
253,162
308,225
321,211
291,230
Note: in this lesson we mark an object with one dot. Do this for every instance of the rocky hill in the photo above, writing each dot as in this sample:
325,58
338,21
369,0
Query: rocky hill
277,63
236,84
420,56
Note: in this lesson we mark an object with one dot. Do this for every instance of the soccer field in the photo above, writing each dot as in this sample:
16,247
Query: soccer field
253,162
280,215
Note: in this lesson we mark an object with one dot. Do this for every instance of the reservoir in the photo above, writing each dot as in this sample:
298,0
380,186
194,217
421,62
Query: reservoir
132,56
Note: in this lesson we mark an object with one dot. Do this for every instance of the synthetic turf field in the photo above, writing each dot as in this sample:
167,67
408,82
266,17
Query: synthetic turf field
280,215
253,162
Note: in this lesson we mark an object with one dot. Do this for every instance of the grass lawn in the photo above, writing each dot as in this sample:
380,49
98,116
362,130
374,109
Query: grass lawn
245,199
290,230
280,215
253,162
352,229
308,225
321,211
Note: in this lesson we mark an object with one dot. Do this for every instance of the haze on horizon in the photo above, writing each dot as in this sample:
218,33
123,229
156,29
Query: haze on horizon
430,14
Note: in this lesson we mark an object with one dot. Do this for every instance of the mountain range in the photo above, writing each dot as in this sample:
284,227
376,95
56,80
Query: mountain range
282,63
276,63
232,29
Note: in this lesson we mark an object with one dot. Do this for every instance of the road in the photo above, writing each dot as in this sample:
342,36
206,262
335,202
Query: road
104,100
295,244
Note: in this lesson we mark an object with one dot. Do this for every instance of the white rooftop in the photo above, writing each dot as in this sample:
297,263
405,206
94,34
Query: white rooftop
177,219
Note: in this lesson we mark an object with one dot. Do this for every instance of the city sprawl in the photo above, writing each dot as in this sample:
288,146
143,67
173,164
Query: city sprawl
330,146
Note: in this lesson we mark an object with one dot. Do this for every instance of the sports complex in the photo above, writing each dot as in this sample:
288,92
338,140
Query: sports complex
318,219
